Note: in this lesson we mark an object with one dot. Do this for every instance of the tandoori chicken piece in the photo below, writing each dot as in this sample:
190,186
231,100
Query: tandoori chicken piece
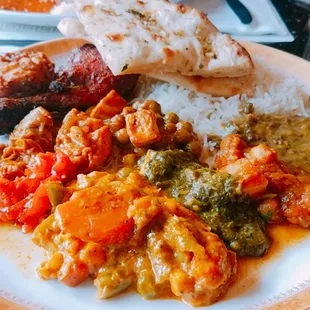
24,73
37,126
82,82
85,71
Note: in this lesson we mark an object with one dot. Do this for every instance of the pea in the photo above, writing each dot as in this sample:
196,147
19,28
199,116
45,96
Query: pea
122,136
185,125
117,122
152,105
194,147
170,127
182,136
248,108
171,118
159,120
130,160
124,172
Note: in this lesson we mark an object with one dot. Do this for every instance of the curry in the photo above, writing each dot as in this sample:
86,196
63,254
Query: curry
287,135
161,246
215,196
118,194
28,5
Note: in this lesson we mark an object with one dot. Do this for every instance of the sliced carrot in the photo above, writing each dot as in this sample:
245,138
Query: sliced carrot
96,215
142,128
109,106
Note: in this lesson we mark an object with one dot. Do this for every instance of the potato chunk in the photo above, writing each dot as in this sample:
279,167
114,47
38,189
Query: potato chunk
142,128
109,106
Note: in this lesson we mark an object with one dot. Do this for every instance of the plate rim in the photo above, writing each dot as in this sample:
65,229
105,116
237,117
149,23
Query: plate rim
39,19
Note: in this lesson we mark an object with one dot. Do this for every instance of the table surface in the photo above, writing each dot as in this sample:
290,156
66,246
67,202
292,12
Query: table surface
296,15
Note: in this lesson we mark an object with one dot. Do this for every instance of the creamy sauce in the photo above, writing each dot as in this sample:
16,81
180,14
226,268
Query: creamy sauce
19,248
288,136
28,5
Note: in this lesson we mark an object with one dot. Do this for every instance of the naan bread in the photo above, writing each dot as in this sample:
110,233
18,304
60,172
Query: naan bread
217,87
157,36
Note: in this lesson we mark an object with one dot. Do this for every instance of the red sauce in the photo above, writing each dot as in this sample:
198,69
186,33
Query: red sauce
27,5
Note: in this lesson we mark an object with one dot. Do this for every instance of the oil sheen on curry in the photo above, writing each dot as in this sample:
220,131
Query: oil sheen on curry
289,136
114,190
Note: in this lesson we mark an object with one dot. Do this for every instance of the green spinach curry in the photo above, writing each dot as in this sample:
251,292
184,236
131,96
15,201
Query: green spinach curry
215,196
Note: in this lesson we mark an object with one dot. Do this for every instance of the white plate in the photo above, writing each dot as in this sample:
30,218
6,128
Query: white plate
263,282
27,18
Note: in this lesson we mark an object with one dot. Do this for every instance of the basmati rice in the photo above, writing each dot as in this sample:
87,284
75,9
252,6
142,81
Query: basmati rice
275,94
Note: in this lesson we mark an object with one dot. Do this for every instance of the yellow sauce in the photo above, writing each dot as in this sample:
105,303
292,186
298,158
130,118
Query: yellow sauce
27,5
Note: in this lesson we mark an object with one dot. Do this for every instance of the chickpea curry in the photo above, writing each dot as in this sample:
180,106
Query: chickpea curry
118,194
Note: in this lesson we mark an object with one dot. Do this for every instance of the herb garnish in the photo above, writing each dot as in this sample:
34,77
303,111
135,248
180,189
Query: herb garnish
125,67
134,12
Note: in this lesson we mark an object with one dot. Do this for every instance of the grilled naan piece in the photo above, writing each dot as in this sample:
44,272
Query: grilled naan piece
156,36
217,87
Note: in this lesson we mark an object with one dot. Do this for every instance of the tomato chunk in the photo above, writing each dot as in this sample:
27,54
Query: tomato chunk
96,215
37,206
47,164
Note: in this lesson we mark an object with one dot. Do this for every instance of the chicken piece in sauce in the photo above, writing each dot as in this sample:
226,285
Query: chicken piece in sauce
86,140
260,172
156,245
37,126
24,73
31,136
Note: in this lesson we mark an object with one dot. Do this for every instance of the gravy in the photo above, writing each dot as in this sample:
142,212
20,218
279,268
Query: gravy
28,5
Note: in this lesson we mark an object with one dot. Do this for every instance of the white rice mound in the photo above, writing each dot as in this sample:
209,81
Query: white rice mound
274,94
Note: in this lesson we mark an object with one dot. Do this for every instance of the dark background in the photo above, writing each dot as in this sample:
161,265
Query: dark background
296,16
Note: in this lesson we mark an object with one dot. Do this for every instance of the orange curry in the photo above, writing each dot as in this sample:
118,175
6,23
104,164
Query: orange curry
81,192
28,5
